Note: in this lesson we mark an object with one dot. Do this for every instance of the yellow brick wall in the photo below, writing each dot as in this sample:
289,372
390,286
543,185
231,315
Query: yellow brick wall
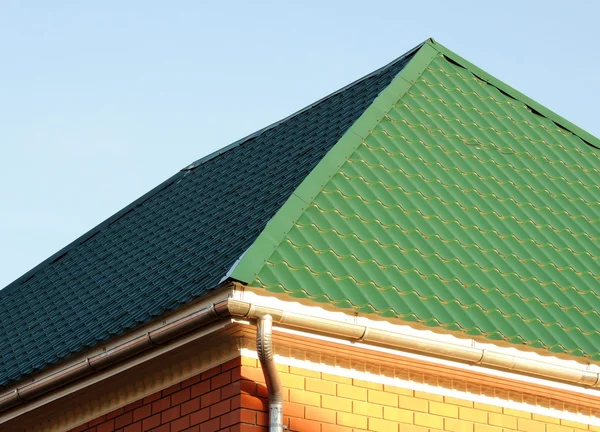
321,402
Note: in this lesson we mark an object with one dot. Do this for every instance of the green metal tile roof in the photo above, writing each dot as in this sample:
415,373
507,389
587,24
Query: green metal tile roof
454,202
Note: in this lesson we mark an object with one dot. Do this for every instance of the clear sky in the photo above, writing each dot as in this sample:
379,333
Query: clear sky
101,101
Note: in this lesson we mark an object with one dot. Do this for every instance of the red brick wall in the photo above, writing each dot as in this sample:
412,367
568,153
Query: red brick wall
232,398
219,399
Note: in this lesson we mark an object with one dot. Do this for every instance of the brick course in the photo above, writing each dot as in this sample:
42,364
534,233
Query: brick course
233,398
219,399
320,402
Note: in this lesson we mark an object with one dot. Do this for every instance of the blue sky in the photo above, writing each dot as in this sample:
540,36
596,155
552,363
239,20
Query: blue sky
101,101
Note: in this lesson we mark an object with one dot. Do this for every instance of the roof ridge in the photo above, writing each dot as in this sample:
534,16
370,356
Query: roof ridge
253,135
281,223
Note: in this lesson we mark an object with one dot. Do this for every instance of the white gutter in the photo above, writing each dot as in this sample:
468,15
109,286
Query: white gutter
363,334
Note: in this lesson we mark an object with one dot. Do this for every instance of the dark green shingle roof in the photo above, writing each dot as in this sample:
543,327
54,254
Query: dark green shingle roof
173,244
454,203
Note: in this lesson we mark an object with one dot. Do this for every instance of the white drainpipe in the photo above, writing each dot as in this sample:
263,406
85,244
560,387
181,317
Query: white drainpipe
264,347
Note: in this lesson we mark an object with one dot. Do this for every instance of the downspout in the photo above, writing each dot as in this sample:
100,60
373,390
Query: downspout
264,348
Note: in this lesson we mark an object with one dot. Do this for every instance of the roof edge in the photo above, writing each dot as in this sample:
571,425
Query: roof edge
300,111
283,221
229,308
91,233
515,94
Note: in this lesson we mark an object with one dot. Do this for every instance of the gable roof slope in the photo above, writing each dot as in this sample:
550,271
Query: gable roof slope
173,244
454,203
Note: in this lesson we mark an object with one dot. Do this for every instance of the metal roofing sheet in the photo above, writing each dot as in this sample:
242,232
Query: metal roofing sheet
461,208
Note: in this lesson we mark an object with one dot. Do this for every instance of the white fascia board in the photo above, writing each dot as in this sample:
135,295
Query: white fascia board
270,301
